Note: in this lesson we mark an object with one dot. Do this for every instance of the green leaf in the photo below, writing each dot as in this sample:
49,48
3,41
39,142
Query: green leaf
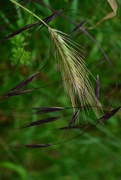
14,167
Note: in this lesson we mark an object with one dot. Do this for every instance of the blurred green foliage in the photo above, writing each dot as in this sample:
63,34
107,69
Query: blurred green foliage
18,43
95,155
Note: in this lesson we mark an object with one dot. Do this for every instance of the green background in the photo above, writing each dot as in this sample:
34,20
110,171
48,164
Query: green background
96,154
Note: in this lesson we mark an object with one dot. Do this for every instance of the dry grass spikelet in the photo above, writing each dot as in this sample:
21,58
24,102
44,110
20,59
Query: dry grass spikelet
73,69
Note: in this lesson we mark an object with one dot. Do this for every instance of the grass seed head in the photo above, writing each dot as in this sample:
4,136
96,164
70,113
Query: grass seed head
73,69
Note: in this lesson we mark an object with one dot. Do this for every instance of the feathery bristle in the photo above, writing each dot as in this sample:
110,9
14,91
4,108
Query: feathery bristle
73,69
